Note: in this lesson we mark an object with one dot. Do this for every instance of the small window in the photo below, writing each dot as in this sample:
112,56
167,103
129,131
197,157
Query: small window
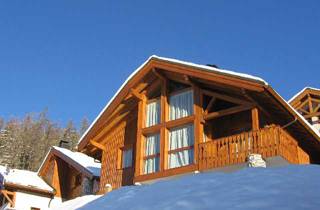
152,153
181,105
78,180
127,158
153,113
181,140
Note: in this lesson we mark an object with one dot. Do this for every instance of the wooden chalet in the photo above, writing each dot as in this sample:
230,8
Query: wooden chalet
71,174
307,103
172,117
21,189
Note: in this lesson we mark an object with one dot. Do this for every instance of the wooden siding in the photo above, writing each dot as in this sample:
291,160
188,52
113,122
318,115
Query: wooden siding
124,134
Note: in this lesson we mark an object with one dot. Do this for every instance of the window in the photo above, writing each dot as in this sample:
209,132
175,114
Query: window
78,180
152,153
127,158
181,105
181,140
153,113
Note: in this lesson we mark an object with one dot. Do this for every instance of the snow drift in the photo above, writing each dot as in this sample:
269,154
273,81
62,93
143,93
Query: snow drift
291,187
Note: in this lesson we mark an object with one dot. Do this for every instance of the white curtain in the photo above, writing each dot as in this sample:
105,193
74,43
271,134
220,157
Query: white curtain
153,113
181,105
178,138
152,147
126,158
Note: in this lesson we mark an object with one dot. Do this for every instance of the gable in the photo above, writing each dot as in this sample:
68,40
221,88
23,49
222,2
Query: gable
177,70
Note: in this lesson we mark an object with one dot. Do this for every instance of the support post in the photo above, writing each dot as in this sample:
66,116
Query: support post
198,126
139,146
164,130
255,119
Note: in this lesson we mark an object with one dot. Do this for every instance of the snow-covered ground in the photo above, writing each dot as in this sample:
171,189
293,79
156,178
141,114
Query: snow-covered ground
291,187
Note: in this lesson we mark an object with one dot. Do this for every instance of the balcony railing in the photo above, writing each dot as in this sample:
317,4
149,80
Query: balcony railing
270,141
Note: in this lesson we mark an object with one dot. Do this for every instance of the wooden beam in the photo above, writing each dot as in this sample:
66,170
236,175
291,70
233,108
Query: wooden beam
159,75
225,112
136,94
211,102
226,97
255,119
164,131
5,193
256,104
140,137
310,104
314,114
317,108
56,179
198,126
97,145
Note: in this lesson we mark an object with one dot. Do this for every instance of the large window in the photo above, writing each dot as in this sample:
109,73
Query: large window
153,113
181,105
181,140
152,153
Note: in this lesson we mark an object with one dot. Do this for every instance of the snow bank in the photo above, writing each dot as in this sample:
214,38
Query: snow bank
24,178
292,187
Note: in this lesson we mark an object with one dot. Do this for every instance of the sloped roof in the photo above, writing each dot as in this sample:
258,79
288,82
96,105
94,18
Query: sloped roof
258,82
23,178
301,92
78,160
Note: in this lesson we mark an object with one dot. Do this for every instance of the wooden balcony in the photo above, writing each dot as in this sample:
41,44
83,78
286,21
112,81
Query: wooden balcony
269,142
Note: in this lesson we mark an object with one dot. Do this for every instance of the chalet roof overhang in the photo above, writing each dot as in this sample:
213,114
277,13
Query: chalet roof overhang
256,88
15,187
53,154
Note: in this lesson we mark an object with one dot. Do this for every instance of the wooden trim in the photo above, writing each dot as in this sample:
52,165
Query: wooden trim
151,156
166,173
28,188
179,122
225,112
152,129
255,119
181,149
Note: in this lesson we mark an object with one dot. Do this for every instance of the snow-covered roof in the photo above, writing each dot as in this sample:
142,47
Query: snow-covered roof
24,178
175,61
301,91
85,161
290,187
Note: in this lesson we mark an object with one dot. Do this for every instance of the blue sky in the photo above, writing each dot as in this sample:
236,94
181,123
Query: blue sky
71,56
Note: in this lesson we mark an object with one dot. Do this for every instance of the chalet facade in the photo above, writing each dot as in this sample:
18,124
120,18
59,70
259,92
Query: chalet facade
71,174
172,117
307,103
21,189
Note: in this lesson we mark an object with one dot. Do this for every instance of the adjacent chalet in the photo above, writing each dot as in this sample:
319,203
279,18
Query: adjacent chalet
172,117
21,189
71,174
307,103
